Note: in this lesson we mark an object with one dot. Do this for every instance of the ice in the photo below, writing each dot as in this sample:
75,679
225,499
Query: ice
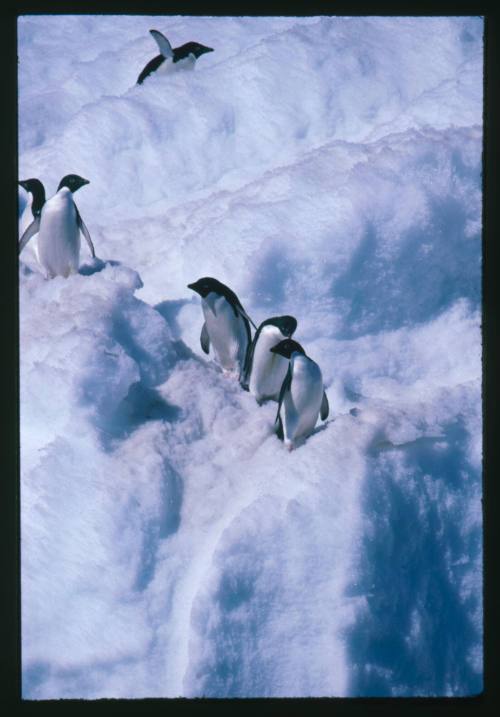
323,167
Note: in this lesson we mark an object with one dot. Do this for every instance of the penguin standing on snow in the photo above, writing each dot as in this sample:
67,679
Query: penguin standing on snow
58,226
302,397
170,57
265,371
226,326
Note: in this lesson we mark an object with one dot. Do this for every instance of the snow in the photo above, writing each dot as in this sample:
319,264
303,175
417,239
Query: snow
328,168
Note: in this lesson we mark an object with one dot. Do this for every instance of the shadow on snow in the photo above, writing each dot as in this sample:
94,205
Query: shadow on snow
432,267
416,555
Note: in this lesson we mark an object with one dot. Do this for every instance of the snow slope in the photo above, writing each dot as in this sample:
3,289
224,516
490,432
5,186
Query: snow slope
328,168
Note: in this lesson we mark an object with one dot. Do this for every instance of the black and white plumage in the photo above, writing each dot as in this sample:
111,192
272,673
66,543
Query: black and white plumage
34,204
170,57
265,371
227,325
302,396
58,225
34,187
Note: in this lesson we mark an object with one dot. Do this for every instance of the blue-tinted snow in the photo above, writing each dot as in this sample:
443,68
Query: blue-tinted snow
325,167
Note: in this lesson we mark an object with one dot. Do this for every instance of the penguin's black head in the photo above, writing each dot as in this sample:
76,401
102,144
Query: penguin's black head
287,347
204,286
286,324
192,48
73,182
31,185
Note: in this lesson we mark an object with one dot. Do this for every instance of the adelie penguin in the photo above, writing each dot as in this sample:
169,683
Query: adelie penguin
302,397
58,226
265,371
34,187
171,58
36,200
226,326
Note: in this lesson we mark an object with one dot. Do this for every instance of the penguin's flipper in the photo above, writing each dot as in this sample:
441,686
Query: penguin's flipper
325,408
247,366
241,310
33,229
205,339
231,297
150,68
285,386
85,232
279,431
163,44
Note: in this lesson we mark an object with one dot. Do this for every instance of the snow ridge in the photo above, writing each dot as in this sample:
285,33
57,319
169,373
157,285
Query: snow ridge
328,168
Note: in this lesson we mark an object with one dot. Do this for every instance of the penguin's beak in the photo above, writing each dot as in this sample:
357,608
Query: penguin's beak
23,185
85,181
193,287
207,49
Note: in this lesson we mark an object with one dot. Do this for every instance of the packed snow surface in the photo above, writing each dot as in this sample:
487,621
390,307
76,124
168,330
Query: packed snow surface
328,168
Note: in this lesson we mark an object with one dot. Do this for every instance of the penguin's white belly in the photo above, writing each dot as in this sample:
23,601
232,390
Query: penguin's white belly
303,402
187,63
58,246
166,67
268,369
227,332
169,66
